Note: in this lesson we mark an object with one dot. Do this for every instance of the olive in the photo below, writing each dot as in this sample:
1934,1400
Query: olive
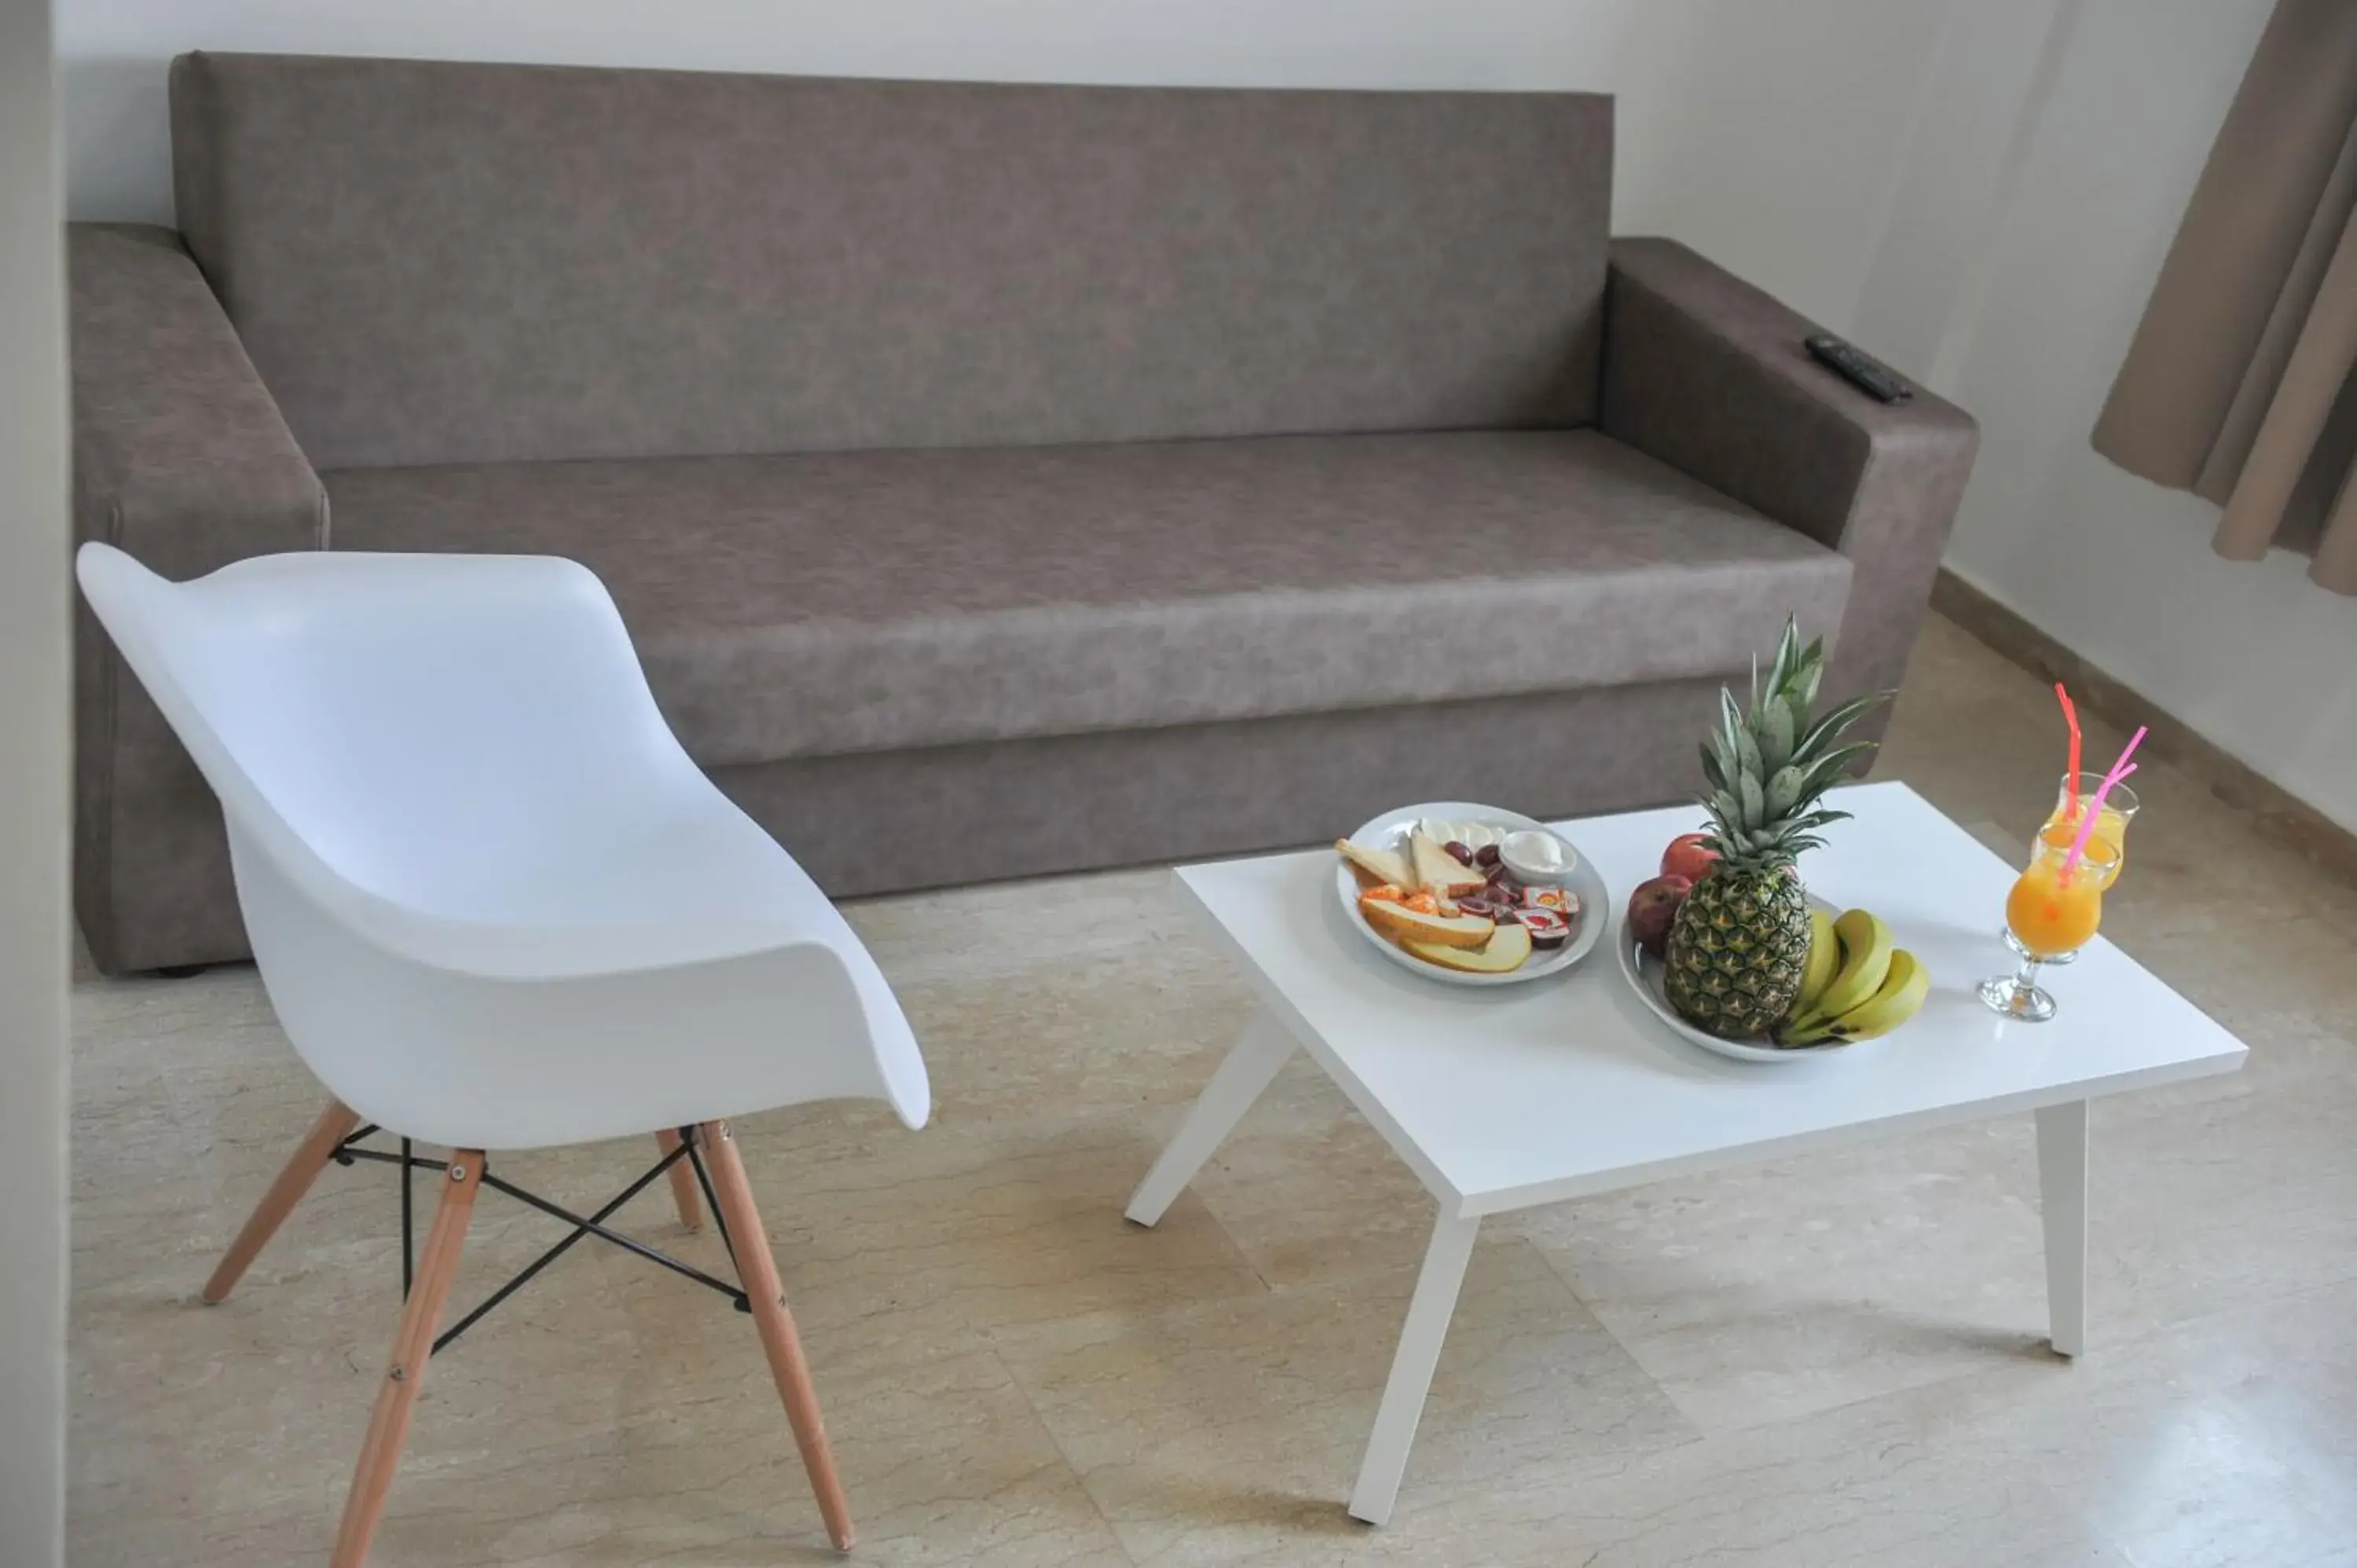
1462,853
1485,856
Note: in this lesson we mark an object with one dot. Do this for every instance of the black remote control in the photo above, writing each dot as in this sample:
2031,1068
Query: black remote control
1871,376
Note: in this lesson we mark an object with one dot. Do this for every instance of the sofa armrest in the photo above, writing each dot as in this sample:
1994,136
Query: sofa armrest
179,456
1707,374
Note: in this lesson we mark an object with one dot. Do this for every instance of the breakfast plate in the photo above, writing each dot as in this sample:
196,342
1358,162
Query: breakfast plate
1574,896
1647,973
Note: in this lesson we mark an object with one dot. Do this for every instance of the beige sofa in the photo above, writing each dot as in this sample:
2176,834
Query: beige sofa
997,480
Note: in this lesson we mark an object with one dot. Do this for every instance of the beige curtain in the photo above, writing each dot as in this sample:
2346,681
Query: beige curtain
2239,385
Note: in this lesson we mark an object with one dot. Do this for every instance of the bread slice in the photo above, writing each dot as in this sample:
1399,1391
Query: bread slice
1437,871
1409,929
1376,867
1508,949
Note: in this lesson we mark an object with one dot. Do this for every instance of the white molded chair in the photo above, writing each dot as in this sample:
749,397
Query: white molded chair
495,906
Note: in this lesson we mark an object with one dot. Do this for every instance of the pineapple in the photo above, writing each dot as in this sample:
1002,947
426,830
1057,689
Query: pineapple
1740,942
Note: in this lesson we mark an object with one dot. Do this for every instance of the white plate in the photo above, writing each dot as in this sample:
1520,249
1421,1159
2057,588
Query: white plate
1646,973
1386,832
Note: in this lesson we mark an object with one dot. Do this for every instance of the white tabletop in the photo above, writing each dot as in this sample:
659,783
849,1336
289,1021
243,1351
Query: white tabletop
1516,1095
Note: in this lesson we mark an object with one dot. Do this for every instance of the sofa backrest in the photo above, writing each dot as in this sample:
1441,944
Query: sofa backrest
435,262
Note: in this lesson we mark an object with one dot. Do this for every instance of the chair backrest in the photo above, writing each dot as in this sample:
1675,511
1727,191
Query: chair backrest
469,851
395,719
433,262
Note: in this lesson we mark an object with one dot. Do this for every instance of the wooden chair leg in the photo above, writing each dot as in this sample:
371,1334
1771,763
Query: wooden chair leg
682,1183
413,1346
334,1125
759,1272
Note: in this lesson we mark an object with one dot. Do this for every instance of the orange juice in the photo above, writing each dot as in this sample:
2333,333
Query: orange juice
2111,830
2051,912
2111,822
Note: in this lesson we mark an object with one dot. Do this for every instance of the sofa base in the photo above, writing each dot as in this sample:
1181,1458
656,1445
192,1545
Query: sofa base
896,822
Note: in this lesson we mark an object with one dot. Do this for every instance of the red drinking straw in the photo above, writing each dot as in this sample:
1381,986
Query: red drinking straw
2070,717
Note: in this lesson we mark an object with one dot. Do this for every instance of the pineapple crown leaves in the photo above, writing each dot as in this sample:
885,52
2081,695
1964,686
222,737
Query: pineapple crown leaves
1768,768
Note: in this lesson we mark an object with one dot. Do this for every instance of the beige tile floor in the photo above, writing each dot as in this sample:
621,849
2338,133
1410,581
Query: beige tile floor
1834,1361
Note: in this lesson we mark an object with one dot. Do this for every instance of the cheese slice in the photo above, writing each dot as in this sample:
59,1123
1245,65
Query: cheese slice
1377,866
1437,871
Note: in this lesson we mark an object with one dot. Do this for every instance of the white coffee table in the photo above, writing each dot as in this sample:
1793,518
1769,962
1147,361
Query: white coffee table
1506,1097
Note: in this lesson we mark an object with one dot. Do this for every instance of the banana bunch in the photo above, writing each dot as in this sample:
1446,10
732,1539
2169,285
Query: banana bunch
1856,985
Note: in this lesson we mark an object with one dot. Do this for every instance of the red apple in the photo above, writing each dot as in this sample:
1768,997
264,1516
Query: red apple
1652,908
1688,857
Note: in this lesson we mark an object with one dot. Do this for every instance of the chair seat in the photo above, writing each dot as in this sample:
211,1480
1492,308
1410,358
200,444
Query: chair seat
816,605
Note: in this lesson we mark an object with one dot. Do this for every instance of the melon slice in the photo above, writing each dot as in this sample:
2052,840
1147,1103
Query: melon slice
1508,949
1412,929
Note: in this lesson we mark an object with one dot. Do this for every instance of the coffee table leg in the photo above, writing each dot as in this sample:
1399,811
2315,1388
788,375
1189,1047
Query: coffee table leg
1419,1351
1250,1063
2062,1203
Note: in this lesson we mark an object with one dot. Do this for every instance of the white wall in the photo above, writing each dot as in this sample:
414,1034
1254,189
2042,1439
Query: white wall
1756,130
33,821
2256,657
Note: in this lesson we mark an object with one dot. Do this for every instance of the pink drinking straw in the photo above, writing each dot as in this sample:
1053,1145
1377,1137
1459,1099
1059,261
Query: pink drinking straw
2120,769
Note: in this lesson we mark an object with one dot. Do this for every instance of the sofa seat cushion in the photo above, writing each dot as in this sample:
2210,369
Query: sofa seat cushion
824,604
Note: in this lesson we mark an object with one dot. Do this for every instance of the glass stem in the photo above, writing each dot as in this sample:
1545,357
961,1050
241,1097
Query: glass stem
2025,979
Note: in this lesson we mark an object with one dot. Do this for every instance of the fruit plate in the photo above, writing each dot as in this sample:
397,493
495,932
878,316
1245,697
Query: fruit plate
1386,831
1646,973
